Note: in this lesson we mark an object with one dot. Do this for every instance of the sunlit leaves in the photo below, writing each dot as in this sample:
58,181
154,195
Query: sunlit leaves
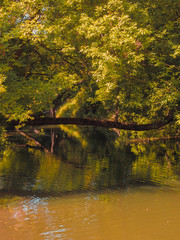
2,79
122,57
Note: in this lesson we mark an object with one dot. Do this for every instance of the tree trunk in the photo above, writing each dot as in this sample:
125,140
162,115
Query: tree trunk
97,123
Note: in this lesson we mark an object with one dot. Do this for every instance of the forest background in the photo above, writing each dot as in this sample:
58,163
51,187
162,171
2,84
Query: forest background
90,59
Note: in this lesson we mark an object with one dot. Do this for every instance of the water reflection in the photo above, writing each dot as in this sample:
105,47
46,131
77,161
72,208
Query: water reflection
85,160
157,162
84,184
141,213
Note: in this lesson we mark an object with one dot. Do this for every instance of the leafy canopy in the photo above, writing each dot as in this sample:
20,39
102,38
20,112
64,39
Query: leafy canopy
101,59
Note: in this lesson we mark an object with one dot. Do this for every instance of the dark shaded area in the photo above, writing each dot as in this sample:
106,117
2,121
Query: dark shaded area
83,160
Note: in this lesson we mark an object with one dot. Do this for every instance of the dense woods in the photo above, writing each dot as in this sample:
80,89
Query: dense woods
90,59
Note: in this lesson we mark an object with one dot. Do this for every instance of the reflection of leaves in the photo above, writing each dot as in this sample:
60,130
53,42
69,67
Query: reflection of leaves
73,131
146,169
17,168
3,141
98,164
7,200
156,162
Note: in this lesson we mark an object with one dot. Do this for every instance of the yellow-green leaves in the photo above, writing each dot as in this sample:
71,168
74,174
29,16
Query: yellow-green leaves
2,79
122,57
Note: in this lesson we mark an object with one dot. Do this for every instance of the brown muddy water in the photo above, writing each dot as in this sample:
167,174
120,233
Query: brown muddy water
87,184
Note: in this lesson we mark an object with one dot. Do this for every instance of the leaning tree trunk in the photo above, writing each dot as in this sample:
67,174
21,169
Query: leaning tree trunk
92,122
97,123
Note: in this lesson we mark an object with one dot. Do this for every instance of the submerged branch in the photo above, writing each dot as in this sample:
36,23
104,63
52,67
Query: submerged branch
37,144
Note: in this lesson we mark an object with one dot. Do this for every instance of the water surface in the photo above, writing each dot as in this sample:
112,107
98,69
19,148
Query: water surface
87,184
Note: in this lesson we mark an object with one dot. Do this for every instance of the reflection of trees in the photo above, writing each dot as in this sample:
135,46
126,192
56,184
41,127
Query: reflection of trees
85,160
54,140
17,168
156,162
94,165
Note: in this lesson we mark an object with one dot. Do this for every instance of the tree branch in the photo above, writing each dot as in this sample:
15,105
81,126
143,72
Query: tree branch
97,123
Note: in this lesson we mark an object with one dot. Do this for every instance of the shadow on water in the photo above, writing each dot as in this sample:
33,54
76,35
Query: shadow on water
75,160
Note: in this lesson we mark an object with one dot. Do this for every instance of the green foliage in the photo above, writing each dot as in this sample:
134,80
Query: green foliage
115,59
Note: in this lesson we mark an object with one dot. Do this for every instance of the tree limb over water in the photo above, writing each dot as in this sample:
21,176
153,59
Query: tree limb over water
97,123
